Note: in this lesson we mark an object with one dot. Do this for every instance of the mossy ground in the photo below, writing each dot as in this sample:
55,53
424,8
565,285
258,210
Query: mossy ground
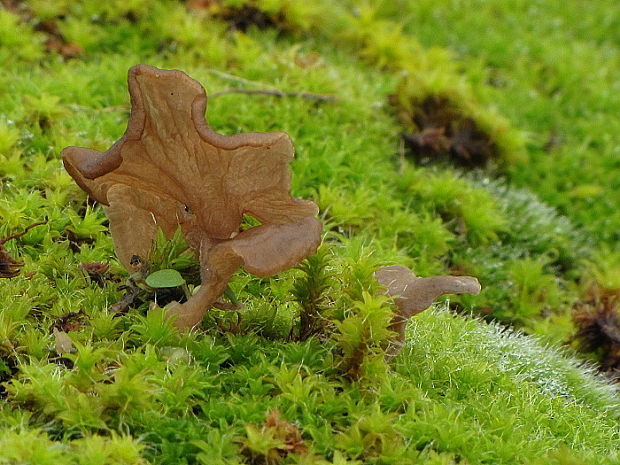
539,226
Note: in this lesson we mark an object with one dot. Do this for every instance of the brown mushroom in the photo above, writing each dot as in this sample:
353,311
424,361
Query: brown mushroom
413,294
171,169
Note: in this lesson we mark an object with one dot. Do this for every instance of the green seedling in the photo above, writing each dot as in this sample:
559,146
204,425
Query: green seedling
167,278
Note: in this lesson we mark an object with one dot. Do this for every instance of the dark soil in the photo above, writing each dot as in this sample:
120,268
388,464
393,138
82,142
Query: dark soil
246,16
442,133
598,323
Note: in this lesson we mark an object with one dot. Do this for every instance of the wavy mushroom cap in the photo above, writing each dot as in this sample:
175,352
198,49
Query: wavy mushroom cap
415,294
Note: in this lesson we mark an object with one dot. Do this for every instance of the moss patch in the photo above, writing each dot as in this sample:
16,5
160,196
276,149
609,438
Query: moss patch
133,390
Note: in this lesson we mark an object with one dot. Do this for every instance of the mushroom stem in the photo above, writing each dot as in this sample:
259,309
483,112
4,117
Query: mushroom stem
218,263
193,311
263,250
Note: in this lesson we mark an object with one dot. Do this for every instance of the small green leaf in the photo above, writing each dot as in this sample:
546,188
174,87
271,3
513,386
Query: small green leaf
165,278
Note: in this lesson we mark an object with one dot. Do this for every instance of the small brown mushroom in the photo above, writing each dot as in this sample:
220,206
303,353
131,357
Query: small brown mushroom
413,295
171,169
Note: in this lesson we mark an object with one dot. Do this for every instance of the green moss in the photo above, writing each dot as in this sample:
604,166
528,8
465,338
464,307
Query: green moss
463,391
17,41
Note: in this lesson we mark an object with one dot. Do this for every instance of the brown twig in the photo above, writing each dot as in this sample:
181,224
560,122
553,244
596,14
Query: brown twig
131,296
9,267
268,92
23,233
275,93
133,292
234,78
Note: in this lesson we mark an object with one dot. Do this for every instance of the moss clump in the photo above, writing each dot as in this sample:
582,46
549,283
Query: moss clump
136,391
